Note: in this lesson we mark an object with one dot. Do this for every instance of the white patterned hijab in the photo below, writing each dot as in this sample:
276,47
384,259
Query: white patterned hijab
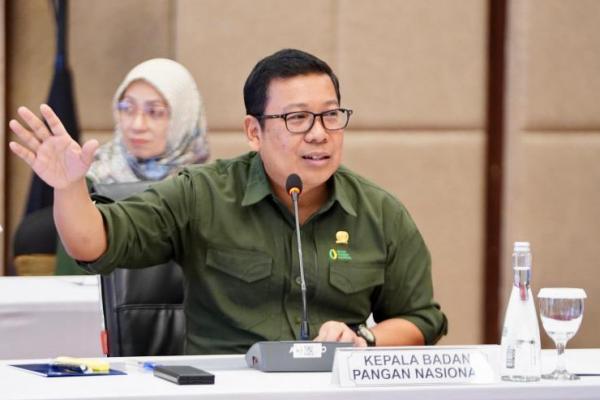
186,135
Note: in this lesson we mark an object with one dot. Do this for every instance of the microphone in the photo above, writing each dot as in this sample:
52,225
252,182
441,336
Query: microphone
294,356
293,186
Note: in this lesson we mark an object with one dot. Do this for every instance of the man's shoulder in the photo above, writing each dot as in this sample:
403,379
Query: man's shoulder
357,185
221,168
373,201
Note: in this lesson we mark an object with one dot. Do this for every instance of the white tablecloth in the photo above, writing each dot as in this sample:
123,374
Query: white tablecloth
50,316
233,380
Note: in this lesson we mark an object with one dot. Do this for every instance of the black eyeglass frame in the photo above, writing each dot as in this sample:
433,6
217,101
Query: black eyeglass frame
347,111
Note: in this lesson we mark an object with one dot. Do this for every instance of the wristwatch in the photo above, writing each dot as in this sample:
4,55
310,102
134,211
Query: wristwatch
366,334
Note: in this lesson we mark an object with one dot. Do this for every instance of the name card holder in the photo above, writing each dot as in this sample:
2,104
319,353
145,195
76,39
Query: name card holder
382,366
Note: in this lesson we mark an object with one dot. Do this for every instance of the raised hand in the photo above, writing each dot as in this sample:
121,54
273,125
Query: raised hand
52,154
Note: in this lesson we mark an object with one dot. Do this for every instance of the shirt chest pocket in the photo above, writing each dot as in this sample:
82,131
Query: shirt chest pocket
239,285
351,288
243,265
355,278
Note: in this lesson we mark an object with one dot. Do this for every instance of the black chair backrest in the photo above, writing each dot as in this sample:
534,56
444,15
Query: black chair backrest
143,311
143,308
36,233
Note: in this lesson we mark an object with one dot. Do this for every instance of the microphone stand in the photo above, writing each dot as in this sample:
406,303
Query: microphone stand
294,356
304,327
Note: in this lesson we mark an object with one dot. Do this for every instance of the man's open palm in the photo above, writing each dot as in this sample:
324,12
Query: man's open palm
52,154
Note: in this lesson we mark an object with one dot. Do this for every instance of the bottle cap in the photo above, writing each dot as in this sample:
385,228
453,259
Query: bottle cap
521,246
562,293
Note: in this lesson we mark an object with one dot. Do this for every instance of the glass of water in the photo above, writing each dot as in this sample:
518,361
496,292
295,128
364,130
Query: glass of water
561,311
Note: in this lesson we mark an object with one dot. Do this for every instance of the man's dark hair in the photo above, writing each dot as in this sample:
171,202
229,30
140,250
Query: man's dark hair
286,63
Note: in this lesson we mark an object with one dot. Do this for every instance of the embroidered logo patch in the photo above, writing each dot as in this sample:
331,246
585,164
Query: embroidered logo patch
342,237
340,252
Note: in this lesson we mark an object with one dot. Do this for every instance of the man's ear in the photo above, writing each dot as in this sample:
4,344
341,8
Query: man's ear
253,132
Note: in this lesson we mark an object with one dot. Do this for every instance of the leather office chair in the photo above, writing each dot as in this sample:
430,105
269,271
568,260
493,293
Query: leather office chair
143,308
143,311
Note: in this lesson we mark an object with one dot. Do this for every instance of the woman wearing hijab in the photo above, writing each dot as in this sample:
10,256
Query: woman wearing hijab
160,127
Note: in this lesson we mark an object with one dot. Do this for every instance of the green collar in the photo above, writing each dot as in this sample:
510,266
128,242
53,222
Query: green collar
258,187
340,193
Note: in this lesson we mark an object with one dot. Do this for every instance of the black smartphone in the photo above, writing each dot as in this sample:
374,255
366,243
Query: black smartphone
184,374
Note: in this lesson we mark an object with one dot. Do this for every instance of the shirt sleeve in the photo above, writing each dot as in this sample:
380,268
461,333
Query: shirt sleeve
407,292
147,229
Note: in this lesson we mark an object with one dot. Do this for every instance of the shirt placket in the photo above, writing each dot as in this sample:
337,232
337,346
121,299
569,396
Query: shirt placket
293,303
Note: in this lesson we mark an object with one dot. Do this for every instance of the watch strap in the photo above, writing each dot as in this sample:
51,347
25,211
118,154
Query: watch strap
364,332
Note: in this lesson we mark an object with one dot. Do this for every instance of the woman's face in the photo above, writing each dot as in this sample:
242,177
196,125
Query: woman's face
144,120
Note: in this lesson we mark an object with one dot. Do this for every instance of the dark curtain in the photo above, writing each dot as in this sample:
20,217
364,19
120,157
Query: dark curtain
61,100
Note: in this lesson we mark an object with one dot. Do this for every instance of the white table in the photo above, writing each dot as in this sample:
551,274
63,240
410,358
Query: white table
49,316
235,381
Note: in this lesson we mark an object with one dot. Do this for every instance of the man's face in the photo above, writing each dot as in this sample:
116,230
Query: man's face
314,155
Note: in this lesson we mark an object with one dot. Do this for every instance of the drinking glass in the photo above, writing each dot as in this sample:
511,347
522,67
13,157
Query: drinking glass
561,311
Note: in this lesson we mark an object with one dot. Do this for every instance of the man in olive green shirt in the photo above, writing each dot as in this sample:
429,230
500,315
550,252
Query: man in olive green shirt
230,225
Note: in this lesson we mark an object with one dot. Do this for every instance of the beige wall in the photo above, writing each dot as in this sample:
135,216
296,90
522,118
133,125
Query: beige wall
553,158
418,93
415,73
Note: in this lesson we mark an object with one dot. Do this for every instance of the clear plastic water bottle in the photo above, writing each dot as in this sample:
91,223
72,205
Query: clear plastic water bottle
520,346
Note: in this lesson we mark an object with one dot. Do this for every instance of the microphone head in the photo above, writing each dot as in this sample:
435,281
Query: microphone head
293,184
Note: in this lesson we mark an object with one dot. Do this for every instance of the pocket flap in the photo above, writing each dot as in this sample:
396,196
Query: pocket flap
353,278
248,266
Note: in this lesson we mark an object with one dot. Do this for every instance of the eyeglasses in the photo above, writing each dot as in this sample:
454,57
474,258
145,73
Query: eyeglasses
303,121
156,112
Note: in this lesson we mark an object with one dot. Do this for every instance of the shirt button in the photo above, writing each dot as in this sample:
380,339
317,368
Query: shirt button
298,281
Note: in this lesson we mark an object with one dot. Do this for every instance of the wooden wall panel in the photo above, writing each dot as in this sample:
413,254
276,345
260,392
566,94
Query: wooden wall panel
563,64
107,39
221,41
414,64
559,213
553,155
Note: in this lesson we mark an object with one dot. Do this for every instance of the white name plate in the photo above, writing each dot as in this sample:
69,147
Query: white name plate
378,366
